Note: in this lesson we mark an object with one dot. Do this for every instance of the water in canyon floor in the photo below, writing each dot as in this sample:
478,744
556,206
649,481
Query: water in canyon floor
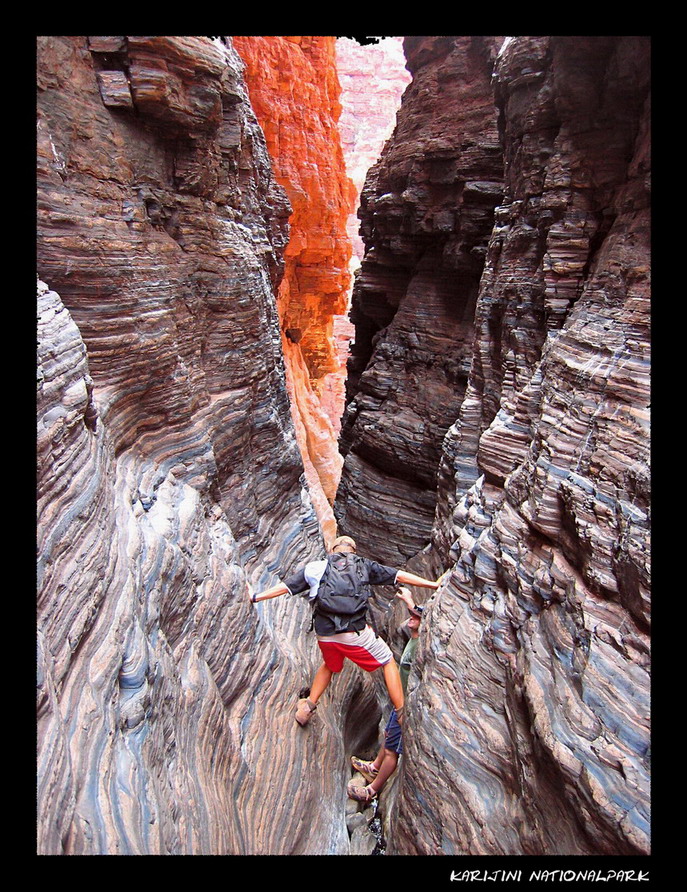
375,826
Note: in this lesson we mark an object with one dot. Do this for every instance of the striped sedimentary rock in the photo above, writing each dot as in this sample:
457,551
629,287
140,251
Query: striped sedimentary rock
427,212
169,477
529,711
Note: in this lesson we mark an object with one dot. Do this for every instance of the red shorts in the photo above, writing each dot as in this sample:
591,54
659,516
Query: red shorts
364,649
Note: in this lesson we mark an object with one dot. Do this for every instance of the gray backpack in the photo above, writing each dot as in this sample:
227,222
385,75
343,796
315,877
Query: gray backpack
343,592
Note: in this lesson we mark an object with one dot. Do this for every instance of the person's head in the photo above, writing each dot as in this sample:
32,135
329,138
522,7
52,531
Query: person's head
345,544
414,622
414,618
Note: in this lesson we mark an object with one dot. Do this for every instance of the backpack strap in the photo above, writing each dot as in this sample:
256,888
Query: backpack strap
314,603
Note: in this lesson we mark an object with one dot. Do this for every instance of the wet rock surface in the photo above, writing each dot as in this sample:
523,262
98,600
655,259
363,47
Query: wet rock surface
363,825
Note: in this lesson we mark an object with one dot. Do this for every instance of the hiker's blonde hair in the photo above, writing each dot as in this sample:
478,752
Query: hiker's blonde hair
344,543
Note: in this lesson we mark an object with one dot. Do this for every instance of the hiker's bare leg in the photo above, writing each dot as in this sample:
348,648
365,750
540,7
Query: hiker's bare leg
388,766
392,677
379,758
320,683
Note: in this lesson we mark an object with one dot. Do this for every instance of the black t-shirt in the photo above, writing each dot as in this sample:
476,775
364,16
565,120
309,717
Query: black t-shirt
308,579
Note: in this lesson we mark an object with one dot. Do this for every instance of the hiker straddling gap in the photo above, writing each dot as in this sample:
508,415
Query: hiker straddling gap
377,773
338,589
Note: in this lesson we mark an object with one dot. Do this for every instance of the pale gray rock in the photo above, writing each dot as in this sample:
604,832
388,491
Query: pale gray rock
363,842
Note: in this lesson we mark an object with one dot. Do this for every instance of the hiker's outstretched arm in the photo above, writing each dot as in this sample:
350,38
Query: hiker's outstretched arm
273,592
410,579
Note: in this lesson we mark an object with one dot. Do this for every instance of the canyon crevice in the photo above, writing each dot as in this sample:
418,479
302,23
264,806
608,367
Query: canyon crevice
294,91
192,256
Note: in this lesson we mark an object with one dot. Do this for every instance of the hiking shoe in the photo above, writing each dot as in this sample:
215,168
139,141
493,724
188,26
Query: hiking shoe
360,794
367,769
304,711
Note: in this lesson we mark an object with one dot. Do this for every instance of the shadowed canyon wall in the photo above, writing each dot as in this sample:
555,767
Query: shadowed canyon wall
169,476
528,708
427,211
497,430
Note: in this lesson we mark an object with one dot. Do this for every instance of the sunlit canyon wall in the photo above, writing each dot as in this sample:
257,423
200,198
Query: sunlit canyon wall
294,90
373,78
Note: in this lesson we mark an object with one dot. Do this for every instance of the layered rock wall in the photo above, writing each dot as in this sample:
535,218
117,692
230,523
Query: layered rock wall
497,429
426,212
169,476
529,707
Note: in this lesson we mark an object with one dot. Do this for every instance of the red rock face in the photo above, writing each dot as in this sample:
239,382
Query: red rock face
294,90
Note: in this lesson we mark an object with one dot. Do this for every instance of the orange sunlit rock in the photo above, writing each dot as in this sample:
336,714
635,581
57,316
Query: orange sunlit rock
294,90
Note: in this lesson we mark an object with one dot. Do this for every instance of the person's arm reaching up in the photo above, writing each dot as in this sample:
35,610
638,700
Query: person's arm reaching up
406,597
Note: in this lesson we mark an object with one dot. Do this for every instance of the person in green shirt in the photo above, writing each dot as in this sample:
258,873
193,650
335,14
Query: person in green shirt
378,772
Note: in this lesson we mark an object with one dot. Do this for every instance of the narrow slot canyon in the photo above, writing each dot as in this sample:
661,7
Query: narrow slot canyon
326,106
291,288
